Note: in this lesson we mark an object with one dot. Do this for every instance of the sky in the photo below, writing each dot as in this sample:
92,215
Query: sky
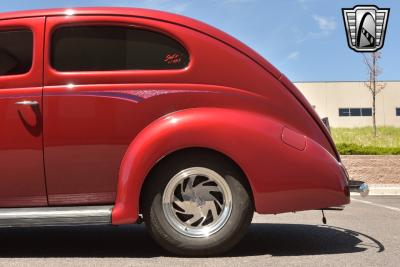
304,39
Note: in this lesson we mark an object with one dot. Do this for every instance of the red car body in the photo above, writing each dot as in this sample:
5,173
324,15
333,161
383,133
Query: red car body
96,135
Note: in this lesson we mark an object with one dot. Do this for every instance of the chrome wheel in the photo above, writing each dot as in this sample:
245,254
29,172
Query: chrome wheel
197,202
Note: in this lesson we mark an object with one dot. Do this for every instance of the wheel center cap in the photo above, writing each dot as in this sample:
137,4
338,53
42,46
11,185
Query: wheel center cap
199,202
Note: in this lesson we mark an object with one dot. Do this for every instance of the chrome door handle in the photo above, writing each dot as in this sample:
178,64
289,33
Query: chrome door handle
27,103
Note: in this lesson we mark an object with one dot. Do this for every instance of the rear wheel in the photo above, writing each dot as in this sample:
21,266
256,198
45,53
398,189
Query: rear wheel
197,205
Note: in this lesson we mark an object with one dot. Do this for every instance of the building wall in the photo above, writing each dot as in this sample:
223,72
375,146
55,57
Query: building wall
328,97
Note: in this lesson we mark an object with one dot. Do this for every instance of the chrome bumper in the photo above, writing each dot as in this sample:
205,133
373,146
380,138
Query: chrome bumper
359,187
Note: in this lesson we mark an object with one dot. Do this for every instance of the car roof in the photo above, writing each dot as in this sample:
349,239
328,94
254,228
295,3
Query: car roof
150,14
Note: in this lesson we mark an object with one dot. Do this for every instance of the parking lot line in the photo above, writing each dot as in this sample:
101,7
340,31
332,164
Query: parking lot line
375,204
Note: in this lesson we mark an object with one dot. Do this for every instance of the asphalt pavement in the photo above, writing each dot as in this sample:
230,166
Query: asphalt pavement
366,233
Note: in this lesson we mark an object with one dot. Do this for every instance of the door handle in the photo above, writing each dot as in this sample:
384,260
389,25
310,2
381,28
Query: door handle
27,103
33,129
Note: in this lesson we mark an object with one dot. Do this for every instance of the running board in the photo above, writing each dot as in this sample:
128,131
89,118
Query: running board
55,216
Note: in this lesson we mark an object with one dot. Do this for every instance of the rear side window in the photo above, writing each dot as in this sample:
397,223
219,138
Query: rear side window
16,50
107,48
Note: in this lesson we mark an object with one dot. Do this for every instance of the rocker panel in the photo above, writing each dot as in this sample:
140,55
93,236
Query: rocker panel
55,216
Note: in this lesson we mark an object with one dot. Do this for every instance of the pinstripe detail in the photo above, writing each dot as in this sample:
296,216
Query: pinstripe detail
132,95
112,94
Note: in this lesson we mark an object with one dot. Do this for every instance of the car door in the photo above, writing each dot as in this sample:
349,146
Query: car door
93,109
21,148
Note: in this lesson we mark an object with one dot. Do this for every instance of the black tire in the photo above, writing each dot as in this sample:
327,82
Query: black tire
223,240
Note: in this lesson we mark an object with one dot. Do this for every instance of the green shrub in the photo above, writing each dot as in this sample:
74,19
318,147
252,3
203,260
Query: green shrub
361,141
355,149
386,137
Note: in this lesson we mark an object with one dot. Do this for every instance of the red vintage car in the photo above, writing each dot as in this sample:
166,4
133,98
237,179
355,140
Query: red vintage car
118,115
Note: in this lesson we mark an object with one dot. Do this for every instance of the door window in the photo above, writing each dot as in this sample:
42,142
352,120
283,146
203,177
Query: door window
16,52
110,48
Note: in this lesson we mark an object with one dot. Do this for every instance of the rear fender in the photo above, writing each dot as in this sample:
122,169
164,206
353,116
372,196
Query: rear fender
286,170
234,133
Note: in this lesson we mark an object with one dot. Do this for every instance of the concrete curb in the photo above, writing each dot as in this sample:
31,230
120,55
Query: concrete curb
382,190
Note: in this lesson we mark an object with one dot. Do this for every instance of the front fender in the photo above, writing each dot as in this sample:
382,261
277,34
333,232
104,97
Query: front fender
276,168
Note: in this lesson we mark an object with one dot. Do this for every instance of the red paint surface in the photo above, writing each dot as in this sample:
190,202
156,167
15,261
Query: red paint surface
104,131
294,139
21,155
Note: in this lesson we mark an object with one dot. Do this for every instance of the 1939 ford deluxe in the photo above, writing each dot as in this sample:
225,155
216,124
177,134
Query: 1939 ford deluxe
117,115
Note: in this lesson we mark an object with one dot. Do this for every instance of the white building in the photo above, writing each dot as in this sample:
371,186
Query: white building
349,104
